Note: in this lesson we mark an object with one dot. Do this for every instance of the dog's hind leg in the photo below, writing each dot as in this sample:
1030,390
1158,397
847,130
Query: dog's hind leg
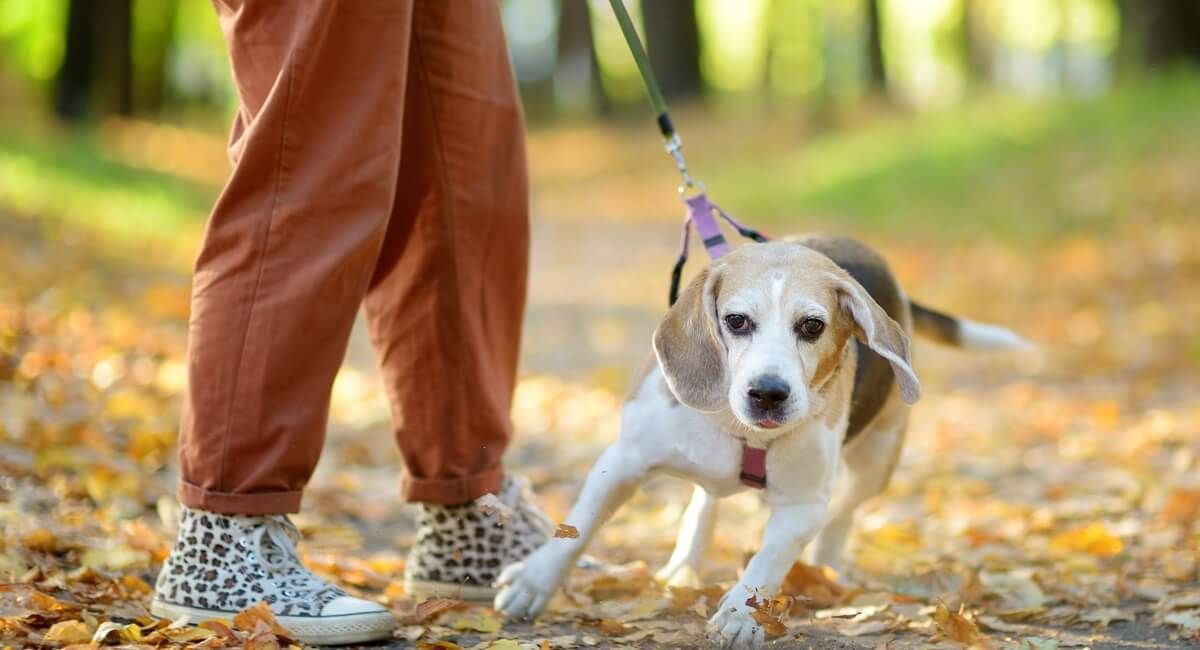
868,465
695,534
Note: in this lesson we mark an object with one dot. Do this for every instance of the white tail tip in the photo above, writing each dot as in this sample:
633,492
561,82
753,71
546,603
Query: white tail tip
981,336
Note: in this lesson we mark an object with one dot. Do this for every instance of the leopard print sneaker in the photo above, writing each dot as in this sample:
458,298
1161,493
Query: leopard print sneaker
460,550
223,564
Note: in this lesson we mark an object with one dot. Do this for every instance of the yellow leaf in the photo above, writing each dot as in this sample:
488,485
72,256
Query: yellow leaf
1093,539
505,644
566,531
438,645
477,623
69,632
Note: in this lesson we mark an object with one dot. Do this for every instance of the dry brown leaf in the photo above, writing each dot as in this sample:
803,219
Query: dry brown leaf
815,586
438,645
42,540
609,627
248,620
1182,506
428,610
956,627
566,531
772,626
221,628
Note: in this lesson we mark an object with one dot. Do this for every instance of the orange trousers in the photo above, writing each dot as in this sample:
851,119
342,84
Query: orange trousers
378,160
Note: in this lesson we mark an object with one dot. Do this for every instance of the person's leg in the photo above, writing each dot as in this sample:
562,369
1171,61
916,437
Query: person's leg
289,251
447,300
291,243
448,295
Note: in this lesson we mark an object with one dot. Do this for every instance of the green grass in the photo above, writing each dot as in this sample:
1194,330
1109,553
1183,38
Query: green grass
62,176
996,165
1001,166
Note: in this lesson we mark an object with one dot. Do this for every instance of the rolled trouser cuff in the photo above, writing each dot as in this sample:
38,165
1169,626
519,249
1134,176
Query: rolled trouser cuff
225,503
452,491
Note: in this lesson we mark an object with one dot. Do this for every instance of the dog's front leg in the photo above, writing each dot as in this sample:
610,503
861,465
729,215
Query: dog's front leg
788,531
526,587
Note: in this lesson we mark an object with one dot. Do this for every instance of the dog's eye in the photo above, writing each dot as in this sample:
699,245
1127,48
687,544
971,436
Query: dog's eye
810,328
739,324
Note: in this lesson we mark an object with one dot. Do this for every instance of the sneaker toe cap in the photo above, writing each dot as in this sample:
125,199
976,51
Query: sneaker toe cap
347,605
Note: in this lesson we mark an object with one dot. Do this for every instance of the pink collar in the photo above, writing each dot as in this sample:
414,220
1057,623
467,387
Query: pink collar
754,467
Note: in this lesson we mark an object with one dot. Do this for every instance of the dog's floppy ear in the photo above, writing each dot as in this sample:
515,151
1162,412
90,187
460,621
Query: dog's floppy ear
689,349
879,332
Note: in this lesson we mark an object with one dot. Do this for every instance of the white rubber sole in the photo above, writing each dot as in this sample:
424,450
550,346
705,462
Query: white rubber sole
423,589
343,629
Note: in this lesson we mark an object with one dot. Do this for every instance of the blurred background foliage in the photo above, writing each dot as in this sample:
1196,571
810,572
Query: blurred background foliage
867,112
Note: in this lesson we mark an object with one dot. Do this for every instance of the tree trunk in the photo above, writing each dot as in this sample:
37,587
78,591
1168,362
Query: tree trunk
577,72
976,56
97,64
153,41
114,55
673,44
876,68
73,86
1160,32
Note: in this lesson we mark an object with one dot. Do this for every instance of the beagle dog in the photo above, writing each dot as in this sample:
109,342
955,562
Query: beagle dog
784,366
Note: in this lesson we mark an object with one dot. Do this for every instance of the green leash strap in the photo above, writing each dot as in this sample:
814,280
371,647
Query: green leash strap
643,63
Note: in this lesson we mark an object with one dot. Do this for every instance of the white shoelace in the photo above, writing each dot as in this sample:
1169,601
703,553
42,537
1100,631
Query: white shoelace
281,554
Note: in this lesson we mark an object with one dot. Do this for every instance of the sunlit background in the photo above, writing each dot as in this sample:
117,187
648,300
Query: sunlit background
1028,162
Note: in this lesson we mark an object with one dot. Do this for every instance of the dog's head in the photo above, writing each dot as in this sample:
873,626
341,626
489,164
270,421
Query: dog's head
762,330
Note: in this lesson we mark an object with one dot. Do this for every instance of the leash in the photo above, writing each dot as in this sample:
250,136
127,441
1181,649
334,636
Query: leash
701,212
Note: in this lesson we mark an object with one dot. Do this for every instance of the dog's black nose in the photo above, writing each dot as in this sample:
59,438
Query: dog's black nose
768,391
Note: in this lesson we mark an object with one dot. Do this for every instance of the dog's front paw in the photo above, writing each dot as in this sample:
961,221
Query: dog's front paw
733,626
526,587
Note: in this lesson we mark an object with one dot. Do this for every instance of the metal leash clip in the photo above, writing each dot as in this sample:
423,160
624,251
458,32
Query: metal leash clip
674,147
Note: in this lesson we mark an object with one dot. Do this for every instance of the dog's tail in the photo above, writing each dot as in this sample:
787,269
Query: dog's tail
964,333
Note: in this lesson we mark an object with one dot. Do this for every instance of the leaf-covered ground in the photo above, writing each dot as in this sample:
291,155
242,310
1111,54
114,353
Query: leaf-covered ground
1044,500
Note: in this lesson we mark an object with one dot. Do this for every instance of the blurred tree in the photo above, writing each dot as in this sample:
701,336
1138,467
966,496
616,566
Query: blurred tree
577,82
97,66
673,44
876,68
153,34
1158,32
976,55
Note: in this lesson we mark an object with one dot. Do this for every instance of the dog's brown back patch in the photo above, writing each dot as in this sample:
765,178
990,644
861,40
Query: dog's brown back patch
873,378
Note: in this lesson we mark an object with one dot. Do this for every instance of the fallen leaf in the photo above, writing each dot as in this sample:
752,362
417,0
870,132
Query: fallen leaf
1189,620
772,626
69,632
956,627
1105,615
428,610
104,630
862,628
480,622
1093,539
248,619
566,531
436,645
